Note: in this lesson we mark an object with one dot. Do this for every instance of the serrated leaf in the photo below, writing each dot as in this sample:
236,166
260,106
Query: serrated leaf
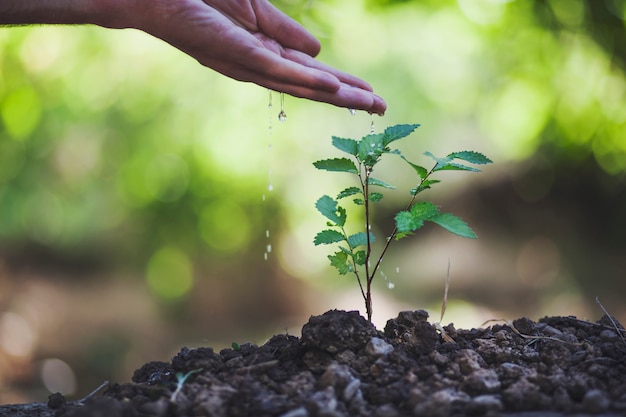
380,183
471,157
424,210
425,185
347,145
339,260
348,192
396,132
454,224
358,201
421,171
407,223
329,209
370,148
453,166
337,165
411,220
374,197
359,239
326,237
359,257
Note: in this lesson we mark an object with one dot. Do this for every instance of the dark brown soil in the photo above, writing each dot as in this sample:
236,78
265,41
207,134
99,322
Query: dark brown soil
343,366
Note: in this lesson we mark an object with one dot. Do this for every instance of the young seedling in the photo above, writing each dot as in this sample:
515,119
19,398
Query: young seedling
180,381
354,254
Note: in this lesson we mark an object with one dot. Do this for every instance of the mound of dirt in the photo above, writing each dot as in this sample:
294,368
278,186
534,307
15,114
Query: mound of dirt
343,366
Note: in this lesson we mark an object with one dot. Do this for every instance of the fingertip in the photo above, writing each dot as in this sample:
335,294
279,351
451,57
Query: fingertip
379,106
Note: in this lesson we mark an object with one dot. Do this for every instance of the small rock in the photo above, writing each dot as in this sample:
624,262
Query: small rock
351,389
485,405
596,401
481,381
296,412
378,347
336,375
469,361
608,335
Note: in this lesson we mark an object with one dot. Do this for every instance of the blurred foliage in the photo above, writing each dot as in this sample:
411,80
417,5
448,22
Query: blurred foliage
115,144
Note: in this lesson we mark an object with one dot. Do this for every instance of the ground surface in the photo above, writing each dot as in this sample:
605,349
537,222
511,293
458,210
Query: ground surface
343,366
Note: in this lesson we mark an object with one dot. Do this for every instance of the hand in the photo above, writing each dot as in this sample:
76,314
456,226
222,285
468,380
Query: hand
251,40
248,40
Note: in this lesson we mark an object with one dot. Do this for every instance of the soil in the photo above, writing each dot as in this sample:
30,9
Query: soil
343,366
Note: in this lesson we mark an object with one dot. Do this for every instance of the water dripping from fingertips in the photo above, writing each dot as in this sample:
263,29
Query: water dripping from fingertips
282,116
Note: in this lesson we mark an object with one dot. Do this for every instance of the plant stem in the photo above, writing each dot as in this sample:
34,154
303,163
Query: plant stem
395,229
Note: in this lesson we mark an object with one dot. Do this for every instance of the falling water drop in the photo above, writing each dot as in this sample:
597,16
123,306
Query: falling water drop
270,187
397,269
268,249
269,104
282,116
372,124
390,285
352,112
267,233
265,256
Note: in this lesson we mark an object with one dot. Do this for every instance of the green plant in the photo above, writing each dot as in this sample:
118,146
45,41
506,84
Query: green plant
180,381
354,252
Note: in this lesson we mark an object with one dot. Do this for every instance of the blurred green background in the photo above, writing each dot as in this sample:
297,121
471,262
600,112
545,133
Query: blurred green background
148,203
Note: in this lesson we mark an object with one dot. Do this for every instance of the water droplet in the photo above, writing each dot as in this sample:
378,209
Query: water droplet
263,197
372,124
265,256
269,104
390,285
267,233
397,269
268,249
282,116
270,187
352,112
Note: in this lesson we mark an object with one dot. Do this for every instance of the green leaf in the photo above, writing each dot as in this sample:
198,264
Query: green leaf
340,261
347,145
359,257
359,239
370,149
471,157
358,201
425,185
396,132
454,224
348,192
453,166
446,164
424,210
407,223
329,209
374,197
337,165
380,183
411,220
421,171
326,237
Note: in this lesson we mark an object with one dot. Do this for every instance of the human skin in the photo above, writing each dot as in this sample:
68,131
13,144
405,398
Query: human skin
247,40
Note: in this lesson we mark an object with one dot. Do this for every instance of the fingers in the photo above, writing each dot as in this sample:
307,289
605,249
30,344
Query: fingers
310,62
286,31
304,77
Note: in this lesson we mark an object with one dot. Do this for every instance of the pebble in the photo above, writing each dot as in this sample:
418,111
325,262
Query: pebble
377,347
296,412
596,401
